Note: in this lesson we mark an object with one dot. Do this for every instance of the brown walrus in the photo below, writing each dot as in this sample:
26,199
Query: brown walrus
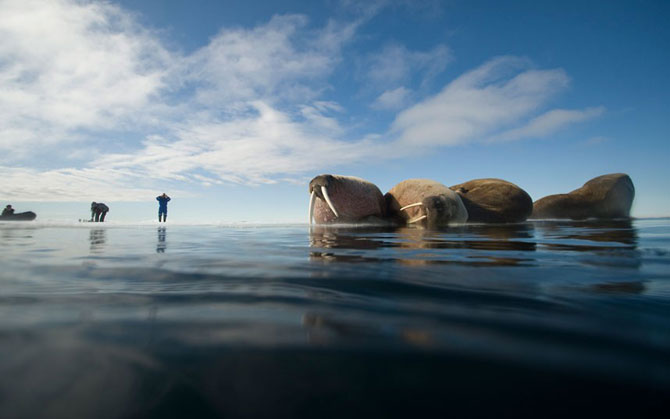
494,201
607,196
426,201
344,199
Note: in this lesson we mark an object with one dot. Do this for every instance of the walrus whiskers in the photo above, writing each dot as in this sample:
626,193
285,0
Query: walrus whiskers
411,205
311,206
324,191
414,220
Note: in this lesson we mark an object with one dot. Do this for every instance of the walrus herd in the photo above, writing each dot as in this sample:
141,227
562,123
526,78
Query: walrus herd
347,199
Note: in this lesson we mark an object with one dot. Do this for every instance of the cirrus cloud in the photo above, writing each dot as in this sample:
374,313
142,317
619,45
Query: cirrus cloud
497,101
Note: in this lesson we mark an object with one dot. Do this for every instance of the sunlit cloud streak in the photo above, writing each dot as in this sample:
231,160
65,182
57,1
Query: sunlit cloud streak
496,101
70,184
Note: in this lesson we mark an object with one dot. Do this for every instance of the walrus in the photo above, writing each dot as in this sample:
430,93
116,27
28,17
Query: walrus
494,201
344,199
423,200
607,196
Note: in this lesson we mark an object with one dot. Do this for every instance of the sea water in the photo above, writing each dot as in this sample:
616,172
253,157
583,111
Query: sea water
543,318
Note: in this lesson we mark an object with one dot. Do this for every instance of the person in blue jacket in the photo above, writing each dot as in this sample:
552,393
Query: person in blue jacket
162,206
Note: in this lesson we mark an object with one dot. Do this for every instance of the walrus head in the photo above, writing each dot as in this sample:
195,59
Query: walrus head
318,188
344,199
432,211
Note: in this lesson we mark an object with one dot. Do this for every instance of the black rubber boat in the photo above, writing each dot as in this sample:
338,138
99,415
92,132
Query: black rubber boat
21,216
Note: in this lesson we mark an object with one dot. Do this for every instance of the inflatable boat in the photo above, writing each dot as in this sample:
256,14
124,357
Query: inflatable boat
21,216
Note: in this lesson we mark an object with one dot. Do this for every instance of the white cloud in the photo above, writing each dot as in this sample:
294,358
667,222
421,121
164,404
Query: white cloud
395,64
24,184
275,60
548,123
248,107
480,103
68,65
73,71
253,150
392,99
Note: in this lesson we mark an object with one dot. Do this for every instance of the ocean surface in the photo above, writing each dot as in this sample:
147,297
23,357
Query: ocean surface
546,318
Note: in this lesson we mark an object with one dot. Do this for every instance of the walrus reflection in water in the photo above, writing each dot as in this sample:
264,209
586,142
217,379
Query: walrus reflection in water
425,202
345,199
607,196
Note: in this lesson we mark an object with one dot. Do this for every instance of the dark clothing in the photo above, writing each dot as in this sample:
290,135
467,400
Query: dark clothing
162,207
8,211
98,211
162,202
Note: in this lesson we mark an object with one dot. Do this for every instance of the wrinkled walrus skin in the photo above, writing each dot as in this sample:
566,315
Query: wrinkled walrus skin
494,201
435,205
355,200
607,196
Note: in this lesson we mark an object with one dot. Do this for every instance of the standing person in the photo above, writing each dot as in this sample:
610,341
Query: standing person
162,206
8,210
98,211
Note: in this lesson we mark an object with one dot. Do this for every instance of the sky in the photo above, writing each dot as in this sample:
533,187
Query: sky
231,107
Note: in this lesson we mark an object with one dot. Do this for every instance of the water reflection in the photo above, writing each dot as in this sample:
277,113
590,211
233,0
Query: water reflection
601,232
13,236
161,245
627,287
347,244
605,243
325,329
97,238
609,243
469,244
242,315
477,237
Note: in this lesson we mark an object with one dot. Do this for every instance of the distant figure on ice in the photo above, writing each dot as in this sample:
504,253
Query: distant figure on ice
8,210
98,211
162,206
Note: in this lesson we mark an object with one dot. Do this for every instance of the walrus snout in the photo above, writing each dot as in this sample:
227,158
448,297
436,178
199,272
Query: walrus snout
320,181
436,210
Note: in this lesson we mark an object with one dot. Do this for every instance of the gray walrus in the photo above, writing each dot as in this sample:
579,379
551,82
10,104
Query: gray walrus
344,199
607,196
422,200
494,201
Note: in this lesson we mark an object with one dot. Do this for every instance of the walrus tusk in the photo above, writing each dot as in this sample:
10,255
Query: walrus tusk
330,204
414,220
410,206
311,206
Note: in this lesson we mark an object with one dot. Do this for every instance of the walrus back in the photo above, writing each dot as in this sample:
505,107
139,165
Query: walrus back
494,201
607,196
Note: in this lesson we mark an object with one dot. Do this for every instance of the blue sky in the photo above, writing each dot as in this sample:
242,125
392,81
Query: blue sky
232,107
